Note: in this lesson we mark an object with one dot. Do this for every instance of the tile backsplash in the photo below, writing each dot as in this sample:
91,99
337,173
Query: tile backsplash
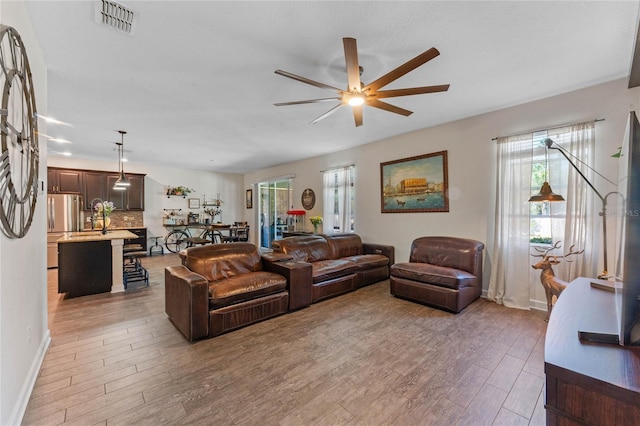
124,219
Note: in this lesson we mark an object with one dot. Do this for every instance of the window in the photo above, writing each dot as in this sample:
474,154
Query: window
339,200
546,219
521,226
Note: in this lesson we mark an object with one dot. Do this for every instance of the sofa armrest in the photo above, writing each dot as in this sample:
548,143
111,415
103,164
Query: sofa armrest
386,250
187,301
299,277
276,257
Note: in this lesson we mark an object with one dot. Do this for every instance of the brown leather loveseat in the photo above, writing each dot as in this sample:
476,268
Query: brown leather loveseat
222,287
338,263
444,272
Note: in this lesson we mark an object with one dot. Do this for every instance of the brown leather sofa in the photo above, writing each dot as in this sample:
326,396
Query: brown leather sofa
444,272
222,287
337,264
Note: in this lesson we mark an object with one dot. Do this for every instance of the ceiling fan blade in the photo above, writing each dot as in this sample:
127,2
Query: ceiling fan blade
306,80
326,114
388,107
402,69
411,91
310,101
351,60
357,115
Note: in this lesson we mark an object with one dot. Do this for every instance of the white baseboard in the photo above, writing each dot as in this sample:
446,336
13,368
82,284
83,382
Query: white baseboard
539,305
23,400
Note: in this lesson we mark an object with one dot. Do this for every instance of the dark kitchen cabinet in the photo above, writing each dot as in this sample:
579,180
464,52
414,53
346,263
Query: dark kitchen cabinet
130,199
95,184
64,181
135,193
117,196
100,185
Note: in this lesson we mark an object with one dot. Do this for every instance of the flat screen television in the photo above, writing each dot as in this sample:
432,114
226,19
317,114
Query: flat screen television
627,212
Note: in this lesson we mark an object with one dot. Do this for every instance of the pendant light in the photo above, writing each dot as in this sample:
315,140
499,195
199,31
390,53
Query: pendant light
123,182
546,193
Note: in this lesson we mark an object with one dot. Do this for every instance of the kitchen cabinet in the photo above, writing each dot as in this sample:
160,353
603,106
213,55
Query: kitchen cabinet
130,199
100,185
135,193
95,185
64,181
136,244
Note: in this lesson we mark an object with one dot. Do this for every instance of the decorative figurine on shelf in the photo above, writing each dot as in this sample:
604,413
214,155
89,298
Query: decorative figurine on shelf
553,286
315,221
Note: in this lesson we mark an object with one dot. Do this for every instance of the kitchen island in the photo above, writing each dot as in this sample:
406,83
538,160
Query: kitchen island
91,262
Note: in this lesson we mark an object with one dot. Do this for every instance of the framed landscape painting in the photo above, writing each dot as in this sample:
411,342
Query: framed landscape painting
415,184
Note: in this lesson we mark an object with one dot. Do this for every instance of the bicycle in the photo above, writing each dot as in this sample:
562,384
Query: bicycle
176,240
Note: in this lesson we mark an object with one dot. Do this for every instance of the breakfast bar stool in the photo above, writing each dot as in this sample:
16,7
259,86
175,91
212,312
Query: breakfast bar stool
133,269
156,247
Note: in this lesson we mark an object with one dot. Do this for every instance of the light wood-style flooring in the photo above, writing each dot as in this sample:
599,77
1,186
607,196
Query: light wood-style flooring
364,358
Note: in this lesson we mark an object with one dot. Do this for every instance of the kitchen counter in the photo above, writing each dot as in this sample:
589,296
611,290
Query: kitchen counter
90,262
76,237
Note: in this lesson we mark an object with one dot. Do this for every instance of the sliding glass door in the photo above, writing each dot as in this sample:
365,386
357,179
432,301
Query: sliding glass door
273,203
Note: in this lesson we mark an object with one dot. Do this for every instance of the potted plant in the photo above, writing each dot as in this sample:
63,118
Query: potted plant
179,190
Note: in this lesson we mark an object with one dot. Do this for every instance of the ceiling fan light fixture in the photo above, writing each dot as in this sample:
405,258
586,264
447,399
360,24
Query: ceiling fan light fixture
356,100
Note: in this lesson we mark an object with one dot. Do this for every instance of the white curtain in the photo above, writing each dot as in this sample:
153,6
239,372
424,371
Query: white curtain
512,277
337,200
581,227
509,284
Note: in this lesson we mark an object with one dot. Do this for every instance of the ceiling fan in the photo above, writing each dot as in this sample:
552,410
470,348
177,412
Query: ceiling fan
358,94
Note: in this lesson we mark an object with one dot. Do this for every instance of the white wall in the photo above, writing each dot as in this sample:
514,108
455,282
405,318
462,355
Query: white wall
158,178
472,165
24,335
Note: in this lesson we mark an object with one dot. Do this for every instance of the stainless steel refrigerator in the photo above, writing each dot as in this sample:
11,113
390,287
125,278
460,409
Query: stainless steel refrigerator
64,214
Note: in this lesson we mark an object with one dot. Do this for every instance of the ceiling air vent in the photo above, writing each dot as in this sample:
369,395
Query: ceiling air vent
116,16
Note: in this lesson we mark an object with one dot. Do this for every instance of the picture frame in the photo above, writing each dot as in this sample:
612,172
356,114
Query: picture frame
194,203
249,198
415,184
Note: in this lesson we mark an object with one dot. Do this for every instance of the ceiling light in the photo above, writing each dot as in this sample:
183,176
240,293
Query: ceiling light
59,140
123,181
52,120
356,100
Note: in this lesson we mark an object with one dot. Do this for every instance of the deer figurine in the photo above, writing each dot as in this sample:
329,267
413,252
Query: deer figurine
553,286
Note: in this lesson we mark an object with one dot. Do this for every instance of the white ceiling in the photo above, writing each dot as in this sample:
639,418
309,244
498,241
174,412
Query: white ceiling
195,86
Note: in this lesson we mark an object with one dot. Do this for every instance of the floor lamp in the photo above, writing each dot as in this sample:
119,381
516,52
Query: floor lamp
546,194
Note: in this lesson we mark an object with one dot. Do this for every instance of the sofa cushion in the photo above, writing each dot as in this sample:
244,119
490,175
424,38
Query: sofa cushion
432,274
344,245
218,261
240,288
303,248
368,261
325,270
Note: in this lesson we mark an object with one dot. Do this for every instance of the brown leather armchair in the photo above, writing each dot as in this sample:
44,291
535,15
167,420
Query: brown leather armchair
222,287
444,272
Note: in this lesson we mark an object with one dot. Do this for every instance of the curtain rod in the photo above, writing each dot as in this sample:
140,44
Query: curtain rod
548,128
338,167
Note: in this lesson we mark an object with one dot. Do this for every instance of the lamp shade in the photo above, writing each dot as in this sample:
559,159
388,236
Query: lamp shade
545,194
122,181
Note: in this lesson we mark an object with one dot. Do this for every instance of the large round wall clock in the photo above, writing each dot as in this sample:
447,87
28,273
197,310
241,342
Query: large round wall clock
19,137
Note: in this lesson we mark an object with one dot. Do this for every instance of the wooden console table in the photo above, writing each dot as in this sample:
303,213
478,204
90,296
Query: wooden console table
589,383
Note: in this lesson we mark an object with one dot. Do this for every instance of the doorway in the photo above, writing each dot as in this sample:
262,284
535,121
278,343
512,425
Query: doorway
273,203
